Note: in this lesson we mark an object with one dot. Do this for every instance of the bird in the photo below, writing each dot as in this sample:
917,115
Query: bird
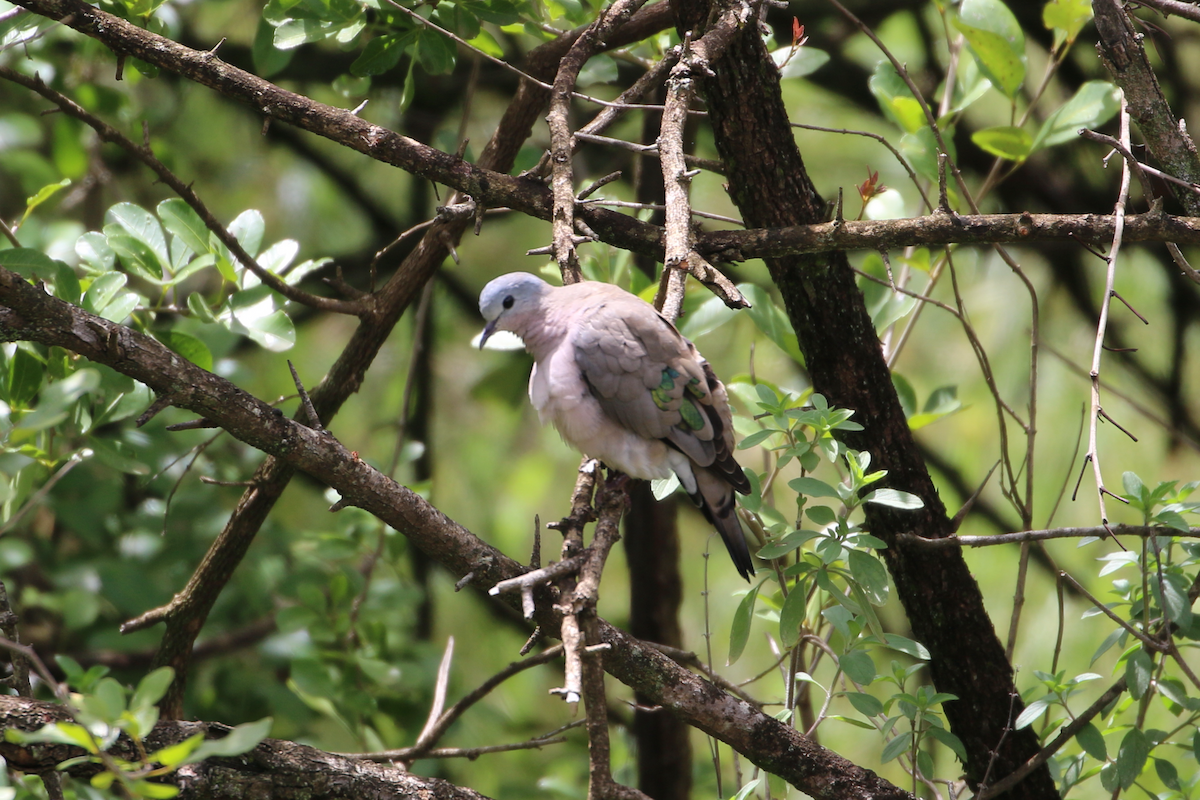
622,385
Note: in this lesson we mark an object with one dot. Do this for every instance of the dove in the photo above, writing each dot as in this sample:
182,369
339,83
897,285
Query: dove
622,385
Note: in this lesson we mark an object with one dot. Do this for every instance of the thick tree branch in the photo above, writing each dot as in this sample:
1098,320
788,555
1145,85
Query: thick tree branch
938,229
274,770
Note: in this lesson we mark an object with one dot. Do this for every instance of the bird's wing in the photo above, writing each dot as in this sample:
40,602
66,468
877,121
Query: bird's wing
651,380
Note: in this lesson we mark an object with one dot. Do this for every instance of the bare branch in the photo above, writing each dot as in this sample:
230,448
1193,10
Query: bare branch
1043,535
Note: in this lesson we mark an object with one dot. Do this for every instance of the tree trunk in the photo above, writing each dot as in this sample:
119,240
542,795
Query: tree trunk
770,186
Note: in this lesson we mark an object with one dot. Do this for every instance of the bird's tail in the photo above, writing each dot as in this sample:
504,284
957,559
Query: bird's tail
714,497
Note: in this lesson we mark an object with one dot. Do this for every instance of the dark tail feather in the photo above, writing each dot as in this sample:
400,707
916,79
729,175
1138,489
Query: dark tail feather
714,497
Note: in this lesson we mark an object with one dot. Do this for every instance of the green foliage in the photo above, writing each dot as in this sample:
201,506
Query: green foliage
103,710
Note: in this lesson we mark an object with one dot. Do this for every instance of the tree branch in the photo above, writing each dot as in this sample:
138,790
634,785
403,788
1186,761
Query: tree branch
274,770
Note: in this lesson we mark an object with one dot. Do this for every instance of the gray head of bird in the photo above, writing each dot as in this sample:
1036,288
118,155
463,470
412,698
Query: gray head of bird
506,302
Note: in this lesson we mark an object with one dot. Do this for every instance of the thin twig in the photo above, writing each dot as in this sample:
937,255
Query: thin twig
1043,535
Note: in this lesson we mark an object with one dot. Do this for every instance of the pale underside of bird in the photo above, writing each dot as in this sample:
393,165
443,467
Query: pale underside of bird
622,385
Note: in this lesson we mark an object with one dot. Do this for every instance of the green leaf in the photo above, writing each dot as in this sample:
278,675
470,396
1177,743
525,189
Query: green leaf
118,455
821,515
93,249
154,791
1004,141
858,666
274,331
1092,742
770,320
67,733
865,704
896,100
296,32
812,487
895,498
187,346
57,398
152,687
107,700
739,633
705,318
950,740
25,374
871,575
42,195
181,220
1167,774
487,43
1094,103
899,745
435,51
103,291
1033,711
66,284
144,228
1139,670
995,38
268,59
248,229
920,148
791,616
240,740
805,61
381,54
1066,18
1131,758
27,262
907,646
1174,599
199,308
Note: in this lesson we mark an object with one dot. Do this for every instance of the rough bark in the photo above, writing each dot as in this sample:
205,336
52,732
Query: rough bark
274,770
769,184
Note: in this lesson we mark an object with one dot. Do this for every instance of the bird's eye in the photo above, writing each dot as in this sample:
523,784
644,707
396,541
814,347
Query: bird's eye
508,301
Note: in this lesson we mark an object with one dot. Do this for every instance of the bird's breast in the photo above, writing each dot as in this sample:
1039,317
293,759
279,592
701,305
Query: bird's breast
562,398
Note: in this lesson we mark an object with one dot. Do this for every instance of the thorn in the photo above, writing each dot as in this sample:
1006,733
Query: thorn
464,580
607,179
1104,415
1131,308
532,641
1114,496
1087,246
966,507
943,192
887,262
462,149
535,558
305,402
1079,480
358,108
1113,535
216,46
